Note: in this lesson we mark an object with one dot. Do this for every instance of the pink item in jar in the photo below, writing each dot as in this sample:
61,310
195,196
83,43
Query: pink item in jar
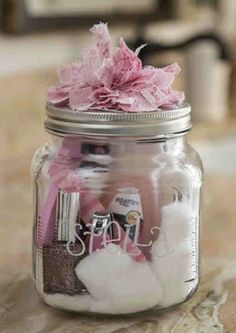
64,177
71,149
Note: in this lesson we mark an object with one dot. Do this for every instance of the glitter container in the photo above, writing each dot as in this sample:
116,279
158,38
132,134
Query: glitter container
59,263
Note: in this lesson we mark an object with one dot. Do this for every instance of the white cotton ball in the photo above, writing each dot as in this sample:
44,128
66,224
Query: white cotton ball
79,303
97,267
172,271
176,222
174,179
172,260
117,283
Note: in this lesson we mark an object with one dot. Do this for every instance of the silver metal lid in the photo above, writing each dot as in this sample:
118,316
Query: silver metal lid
64,121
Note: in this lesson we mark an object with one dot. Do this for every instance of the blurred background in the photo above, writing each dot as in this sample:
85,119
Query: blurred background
37,36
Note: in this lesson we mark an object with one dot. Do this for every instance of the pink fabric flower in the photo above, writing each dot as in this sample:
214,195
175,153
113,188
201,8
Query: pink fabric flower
103,40
119,81
68,76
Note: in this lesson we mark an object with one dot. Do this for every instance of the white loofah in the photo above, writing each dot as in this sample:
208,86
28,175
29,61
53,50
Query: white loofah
117,283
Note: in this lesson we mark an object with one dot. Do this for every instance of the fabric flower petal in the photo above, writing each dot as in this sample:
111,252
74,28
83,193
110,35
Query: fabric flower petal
69,73
59,95
119,81
173,68
81,97
103,40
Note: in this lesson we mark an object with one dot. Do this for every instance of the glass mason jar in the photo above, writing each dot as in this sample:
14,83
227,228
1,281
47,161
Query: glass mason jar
117,204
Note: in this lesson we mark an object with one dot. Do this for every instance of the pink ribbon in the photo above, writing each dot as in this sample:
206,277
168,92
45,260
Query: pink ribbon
63,176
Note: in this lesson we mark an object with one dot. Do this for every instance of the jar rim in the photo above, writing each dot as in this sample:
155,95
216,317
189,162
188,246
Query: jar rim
65,121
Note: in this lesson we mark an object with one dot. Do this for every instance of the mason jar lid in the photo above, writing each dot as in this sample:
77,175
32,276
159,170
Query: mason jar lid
64,121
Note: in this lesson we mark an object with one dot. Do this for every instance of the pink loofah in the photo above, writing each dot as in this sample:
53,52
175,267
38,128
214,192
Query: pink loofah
118,81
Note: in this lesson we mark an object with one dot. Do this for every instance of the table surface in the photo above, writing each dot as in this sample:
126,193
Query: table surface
211,310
